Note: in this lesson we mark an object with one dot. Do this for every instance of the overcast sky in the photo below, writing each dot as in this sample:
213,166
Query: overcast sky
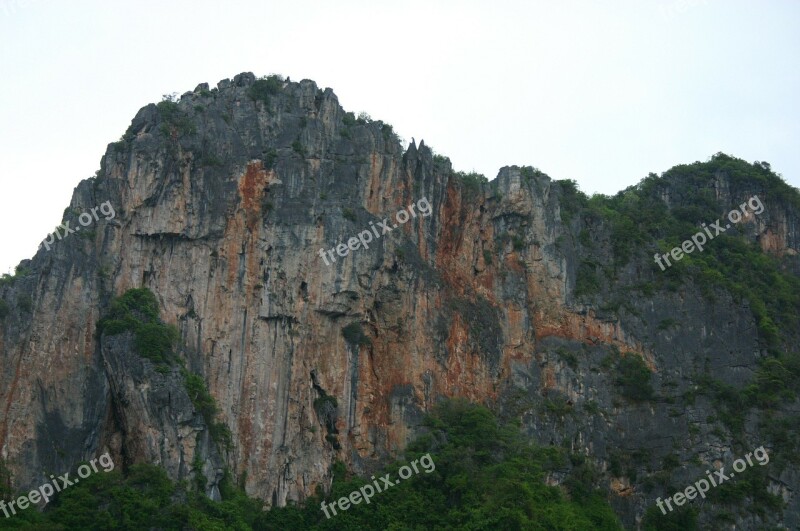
599,92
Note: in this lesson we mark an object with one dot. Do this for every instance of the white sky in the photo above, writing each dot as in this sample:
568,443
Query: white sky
601,92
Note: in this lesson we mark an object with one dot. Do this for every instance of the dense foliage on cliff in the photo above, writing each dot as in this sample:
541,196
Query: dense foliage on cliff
486,476
137,311
642,222
659,214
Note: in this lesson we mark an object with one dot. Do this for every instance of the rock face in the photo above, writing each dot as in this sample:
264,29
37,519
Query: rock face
223,201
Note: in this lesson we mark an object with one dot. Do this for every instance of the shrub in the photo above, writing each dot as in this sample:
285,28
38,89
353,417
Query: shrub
5,481
388,132
440,160
486,476
334,441
4,309
572,199
199,395
354,334
155,341
137,311
347,213
265,87
666,324
327,408
472,181
297,146
174,120
325,403
586,280
567,356
634,378
210,160
205,404
682,519
25,303
270,159
143,497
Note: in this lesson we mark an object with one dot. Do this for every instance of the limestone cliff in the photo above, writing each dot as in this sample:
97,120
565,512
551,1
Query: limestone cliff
223,201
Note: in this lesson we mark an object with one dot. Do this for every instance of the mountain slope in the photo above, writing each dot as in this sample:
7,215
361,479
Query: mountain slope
521,293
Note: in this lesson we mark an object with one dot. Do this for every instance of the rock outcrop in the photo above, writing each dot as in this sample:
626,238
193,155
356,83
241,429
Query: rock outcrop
223,201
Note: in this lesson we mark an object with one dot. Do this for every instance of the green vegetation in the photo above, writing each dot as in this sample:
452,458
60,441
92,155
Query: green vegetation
472,181
142,498
297,146
327,409
121,145
752,484
482,320
487,476
208,160
666,324
634,378
175,122
682,519
777,382
388,132
5,481
568,356
640,223
4,309
517,242
354,334
587,282
349,119
137,311
207,406
25,303
325,403
440,160
347,213
592,407
265,87
572,199
270,159
631,375
19,271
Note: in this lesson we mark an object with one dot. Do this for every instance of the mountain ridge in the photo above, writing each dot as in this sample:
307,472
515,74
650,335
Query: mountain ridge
521,293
